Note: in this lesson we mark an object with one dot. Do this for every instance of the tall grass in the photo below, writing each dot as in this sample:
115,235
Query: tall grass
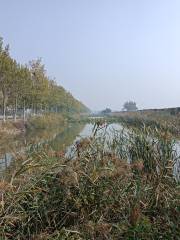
162,122
118,187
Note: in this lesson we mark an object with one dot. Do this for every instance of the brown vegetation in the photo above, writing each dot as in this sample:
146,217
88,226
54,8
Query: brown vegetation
97,195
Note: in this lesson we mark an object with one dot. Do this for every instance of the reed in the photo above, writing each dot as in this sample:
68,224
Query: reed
116,187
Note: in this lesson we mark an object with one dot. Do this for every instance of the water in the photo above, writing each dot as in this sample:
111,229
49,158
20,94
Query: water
87,131
61,139
58,139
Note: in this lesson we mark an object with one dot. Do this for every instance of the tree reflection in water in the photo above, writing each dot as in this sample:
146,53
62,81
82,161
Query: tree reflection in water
57,138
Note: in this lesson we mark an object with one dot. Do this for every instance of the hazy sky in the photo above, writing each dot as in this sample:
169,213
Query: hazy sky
103,51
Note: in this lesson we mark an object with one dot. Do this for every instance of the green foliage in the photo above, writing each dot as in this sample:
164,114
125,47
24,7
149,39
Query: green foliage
28,87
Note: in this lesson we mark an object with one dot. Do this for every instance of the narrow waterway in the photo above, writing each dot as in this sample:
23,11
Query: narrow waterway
59,139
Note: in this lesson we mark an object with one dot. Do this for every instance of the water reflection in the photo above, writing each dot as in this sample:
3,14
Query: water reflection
87,131
58,139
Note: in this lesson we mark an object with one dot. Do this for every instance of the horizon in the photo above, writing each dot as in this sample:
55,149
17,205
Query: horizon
105,53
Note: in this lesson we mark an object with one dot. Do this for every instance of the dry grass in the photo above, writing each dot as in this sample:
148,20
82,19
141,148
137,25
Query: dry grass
96,195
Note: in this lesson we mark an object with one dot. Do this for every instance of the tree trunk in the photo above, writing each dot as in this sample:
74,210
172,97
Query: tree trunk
36,109
24,111
41,108
32,109
5,160
15,110
4,108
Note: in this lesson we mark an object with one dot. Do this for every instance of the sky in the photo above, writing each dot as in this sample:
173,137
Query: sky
104,52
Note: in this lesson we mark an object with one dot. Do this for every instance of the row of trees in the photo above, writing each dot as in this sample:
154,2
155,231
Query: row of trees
27,87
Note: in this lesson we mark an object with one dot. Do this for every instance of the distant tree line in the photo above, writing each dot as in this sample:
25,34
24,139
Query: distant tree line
27,87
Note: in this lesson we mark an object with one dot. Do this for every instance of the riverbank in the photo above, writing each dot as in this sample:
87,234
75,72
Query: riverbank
46,121
12,128
51,120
